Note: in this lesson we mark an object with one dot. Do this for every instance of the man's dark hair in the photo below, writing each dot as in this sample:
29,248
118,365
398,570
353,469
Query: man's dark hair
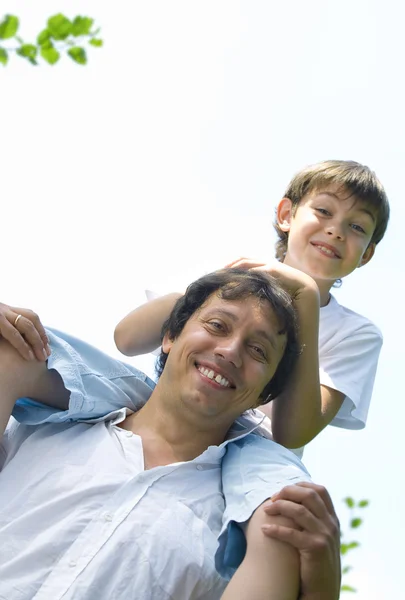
238,284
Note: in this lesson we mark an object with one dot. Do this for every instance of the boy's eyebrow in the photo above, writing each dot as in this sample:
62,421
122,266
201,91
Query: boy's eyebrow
261,332
363,209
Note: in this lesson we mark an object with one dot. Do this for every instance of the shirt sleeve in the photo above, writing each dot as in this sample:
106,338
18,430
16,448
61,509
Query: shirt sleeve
350,367
98,384
253,469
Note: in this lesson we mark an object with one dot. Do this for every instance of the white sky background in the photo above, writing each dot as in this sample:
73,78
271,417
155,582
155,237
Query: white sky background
164,158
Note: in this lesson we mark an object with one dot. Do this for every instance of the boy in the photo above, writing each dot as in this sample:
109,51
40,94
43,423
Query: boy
329,222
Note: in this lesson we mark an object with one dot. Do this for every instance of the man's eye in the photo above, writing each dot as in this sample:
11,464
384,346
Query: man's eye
216,325
323,211
259,351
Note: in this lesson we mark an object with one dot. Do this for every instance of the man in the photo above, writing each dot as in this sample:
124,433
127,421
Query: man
131,505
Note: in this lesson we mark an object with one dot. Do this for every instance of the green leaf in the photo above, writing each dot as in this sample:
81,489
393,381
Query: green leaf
349,502
49,53
348,588
3,56
28,51
82,26
43,37
363,503
78,55
96,42
354,523
345,570
9,27
59,27
344,548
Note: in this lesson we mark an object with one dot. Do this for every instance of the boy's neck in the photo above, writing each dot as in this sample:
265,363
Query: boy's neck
323,284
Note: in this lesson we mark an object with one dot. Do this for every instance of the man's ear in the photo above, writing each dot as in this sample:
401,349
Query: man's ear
284,214
368,255
167,343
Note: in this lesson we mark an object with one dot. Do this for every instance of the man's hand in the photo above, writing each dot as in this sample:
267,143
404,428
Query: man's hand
295,282
23,329
316,537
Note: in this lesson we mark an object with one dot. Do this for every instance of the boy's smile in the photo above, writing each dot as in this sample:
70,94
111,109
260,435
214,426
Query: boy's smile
328,236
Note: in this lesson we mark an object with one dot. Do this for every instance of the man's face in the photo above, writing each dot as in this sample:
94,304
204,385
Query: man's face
329,235
226,354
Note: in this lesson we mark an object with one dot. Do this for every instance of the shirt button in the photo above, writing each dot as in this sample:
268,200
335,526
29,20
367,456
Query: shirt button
108,517
200,467
129,434
72,563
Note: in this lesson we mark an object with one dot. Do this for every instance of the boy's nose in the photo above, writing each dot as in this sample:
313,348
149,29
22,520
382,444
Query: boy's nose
335,230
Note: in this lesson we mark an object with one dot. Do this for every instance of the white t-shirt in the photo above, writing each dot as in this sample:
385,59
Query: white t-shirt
349,347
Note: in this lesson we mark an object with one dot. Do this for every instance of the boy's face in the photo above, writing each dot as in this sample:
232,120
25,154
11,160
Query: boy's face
226,354
329,235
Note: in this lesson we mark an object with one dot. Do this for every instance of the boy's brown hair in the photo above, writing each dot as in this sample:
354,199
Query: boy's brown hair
358,179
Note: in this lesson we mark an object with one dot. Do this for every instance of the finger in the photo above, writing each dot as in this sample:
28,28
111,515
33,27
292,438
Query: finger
323,492
298,513
12,335
240,263
36,321
306,495
26,328
299,539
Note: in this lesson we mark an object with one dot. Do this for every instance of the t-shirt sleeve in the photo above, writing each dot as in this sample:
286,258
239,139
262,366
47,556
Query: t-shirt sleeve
253,469
350,366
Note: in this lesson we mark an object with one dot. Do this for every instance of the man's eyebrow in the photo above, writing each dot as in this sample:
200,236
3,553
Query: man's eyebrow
260,332
362,209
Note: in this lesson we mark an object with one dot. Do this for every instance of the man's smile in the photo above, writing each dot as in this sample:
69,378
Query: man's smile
214,375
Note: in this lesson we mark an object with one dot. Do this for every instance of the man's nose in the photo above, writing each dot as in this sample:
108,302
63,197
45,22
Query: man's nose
230,349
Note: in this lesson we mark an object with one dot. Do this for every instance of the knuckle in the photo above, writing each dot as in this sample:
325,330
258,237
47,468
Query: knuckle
32,316
319,544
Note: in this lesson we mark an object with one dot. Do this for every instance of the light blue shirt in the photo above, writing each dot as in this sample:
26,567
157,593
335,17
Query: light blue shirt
253,468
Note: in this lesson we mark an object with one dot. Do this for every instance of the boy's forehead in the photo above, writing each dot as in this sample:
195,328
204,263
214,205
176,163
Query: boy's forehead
342,193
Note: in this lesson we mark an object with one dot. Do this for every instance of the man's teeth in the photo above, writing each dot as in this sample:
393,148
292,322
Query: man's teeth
215,376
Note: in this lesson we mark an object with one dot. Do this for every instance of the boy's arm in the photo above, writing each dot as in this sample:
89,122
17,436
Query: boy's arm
139,332
305,407
270,569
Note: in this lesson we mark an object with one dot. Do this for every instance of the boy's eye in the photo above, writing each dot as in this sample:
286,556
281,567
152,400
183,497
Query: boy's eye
323,211
357,228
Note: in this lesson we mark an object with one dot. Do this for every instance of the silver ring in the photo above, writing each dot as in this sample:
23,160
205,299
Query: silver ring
18,317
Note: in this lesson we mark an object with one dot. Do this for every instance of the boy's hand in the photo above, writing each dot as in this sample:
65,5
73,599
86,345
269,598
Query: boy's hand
316,537
295,282
23,329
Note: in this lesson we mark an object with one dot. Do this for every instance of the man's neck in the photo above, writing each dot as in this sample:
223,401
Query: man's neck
167,437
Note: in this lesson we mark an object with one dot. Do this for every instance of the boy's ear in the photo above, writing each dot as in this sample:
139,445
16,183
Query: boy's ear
284,214
368,255
167,343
